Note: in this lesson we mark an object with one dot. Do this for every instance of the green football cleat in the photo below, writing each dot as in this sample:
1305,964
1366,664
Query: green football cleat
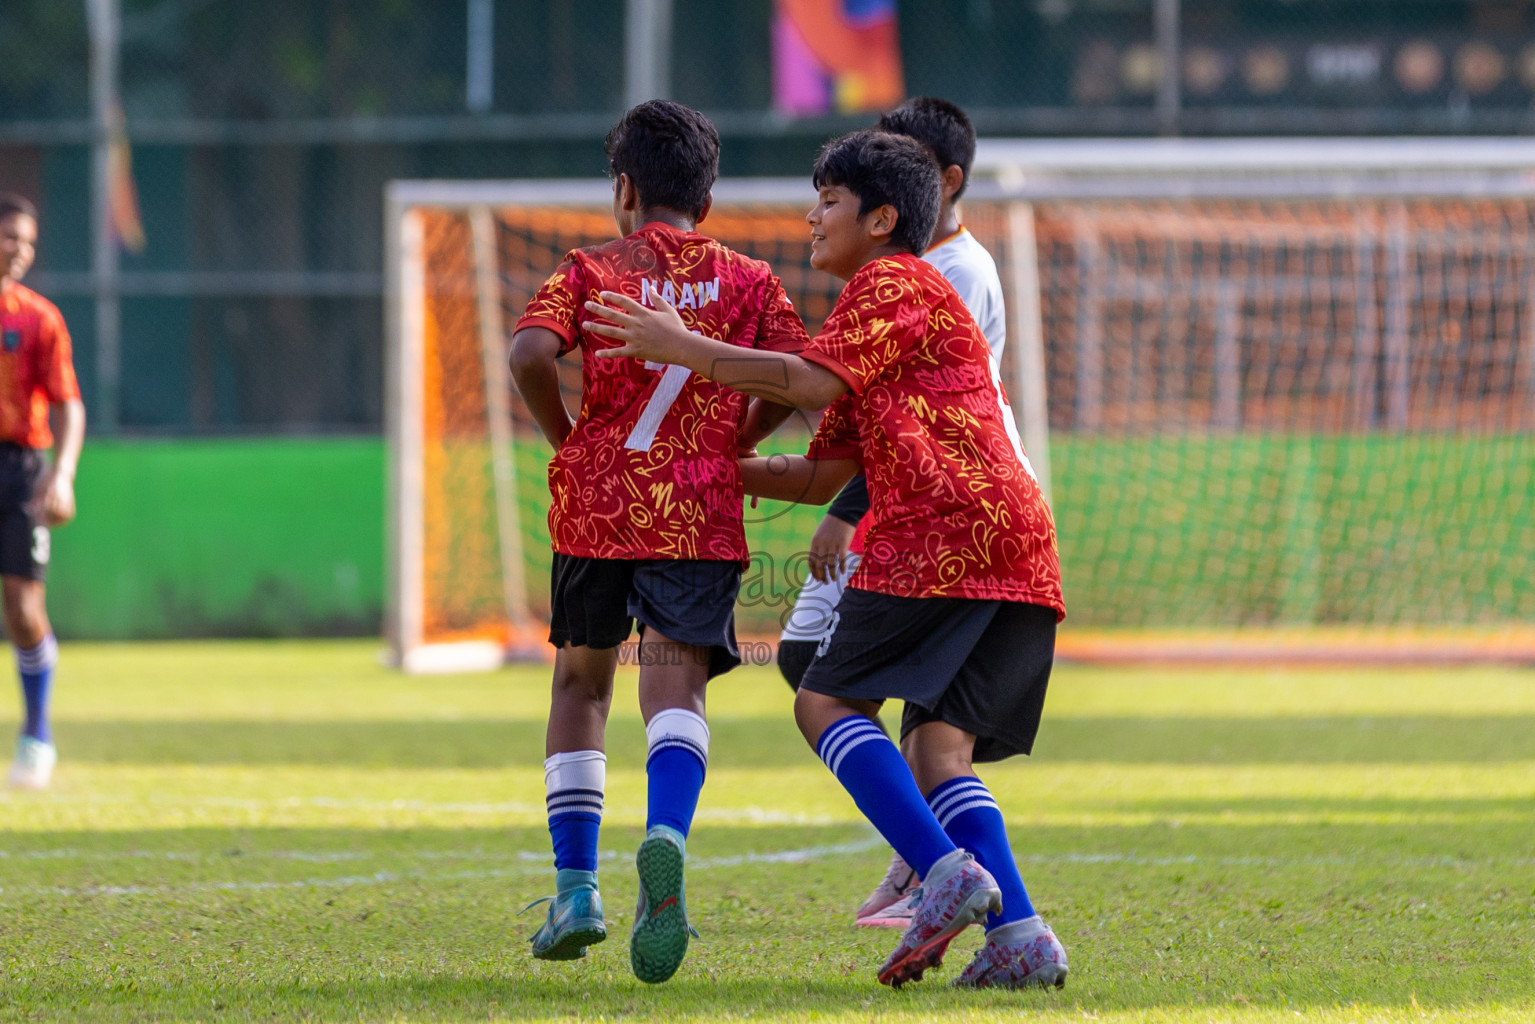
575,918
660,937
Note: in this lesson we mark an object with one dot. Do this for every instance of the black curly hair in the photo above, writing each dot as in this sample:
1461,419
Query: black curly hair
670,152
882,168
940,126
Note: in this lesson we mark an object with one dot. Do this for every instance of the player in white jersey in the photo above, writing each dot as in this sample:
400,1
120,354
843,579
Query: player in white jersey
837,545
973,273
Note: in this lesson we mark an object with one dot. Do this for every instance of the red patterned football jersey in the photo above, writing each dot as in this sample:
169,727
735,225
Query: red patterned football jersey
956,510
650,470
36,366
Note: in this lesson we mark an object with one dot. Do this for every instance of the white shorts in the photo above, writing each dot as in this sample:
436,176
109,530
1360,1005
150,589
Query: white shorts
811,618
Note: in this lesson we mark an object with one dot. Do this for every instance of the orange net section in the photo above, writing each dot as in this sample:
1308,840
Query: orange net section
463,560
462,595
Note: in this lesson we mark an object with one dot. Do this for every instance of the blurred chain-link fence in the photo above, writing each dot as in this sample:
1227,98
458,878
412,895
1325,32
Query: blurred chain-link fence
262,137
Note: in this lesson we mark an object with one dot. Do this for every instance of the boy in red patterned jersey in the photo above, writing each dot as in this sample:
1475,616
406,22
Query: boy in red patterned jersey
37,374
645,517
954,606
837,544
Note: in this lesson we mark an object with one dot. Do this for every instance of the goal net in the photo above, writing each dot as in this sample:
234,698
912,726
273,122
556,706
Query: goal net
1282,395
469,539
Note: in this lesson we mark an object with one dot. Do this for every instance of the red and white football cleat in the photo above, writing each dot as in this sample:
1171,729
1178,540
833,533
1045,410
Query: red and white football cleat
1022,954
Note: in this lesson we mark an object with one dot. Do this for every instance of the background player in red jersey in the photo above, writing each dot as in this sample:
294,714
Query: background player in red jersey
37,374
645,517
954,606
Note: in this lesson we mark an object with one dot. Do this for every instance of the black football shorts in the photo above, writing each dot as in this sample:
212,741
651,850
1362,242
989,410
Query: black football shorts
24,542
981,666
594,602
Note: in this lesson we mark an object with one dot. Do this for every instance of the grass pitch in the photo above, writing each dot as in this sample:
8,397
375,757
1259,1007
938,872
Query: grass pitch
289,832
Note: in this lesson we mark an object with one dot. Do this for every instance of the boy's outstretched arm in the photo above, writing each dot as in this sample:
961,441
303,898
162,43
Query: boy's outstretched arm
534,368
796,478
660,335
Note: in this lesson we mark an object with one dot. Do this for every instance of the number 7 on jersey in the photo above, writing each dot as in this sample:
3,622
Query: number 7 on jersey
673,380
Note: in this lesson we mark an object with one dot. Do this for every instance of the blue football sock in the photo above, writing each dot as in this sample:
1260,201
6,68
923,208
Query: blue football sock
968,813
35,666
574,782
676,765
870,768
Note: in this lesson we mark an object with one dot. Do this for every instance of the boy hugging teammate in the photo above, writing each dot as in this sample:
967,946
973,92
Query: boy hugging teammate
954,606
837,545
645,517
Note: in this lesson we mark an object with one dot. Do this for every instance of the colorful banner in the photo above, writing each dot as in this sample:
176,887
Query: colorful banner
122,194
836,54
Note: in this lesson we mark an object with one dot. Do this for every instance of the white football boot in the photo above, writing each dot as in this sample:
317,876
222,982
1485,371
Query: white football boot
33,767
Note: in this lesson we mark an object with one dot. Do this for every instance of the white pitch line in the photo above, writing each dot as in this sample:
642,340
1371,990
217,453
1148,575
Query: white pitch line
534,862
792,856
806,854
751,815
316,857
330,857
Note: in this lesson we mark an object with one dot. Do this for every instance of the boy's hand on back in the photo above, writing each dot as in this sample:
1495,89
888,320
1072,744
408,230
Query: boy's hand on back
657,335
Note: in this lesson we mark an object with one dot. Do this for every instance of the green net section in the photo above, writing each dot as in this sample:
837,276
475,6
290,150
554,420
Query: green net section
1261,414
1293,530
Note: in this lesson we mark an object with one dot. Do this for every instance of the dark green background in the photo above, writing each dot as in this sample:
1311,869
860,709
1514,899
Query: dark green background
223,538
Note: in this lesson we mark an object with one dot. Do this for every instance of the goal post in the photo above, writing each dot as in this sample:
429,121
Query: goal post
468,542
1281,392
